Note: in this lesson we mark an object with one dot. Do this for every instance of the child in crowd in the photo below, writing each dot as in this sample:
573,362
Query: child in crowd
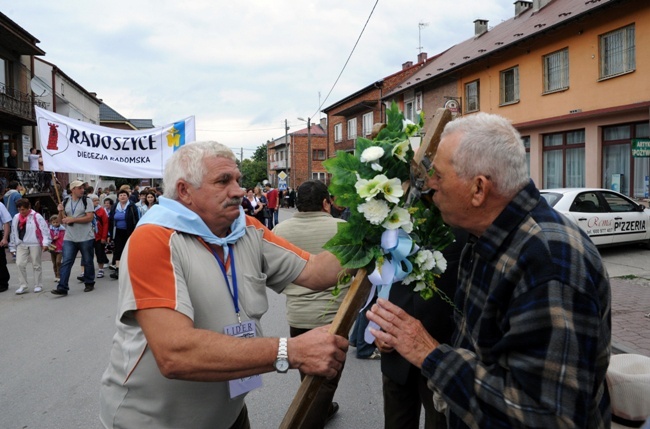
56,248
101,235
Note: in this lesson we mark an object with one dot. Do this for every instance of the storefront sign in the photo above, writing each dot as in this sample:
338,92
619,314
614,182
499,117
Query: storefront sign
641,148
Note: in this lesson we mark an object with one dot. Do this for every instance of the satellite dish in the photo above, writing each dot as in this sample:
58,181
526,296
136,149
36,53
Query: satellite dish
39,87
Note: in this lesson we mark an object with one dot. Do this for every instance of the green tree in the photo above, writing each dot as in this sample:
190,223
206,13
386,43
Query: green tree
253,172
260,154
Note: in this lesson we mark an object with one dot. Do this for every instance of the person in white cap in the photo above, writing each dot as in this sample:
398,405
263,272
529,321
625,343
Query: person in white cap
628,381
76,213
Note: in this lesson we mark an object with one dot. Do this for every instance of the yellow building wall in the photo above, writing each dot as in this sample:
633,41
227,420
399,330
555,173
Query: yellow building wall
585,91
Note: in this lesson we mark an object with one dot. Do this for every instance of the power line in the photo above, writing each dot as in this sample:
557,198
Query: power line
348,60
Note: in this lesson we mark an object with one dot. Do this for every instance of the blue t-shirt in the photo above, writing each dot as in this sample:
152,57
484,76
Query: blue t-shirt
120,219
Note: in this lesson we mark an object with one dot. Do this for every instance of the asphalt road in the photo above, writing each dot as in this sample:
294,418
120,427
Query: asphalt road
53,352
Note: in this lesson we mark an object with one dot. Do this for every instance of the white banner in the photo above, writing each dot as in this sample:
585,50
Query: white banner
72,146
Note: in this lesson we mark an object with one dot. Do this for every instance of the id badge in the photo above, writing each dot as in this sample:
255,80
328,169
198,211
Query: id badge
243,385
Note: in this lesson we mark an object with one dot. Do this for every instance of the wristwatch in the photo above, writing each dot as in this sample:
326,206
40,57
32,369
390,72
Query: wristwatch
281,363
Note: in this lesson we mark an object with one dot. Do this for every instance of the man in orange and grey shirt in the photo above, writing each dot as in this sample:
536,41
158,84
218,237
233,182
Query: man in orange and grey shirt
189,342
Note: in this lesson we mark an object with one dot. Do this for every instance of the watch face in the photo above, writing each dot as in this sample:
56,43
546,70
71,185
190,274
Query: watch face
282,365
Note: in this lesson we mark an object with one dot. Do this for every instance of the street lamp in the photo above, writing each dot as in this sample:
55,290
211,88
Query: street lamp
308,146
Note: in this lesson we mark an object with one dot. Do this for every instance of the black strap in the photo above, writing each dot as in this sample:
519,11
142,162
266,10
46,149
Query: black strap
626,422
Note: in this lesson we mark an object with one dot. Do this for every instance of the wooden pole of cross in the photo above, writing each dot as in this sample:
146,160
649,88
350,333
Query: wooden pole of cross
360,288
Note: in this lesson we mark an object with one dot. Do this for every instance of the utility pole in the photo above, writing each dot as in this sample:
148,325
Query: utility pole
308,148
286,142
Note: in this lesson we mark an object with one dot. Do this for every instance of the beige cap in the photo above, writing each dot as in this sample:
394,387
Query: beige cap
76,184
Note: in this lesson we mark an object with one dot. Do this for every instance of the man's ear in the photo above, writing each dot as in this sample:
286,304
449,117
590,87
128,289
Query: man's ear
481,189
184,192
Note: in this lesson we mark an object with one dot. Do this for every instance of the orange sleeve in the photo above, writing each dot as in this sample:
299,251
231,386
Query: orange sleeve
149,247
269,236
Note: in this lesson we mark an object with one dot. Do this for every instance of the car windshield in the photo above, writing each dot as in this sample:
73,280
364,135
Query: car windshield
551,198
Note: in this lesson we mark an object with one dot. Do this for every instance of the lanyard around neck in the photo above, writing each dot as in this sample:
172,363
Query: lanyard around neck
74,206
233,291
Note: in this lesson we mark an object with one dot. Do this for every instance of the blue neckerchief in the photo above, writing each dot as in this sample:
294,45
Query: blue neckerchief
119,208
174,215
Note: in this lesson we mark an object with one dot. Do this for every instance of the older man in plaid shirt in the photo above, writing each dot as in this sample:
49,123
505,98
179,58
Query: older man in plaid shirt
532,340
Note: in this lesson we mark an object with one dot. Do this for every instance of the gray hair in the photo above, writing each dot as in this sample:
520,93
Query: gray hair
492,147
187,164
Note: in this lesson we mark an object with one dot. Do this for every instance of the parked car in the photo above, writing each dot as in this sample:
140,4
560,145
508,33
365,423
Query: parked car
608,217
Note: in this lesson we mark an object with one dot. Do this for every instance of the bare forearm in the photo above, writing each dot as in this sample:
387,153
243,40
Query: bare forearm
209,356
321,272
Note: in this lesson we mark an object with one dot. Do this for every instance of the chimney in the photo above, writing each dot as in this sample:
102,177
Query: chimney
422,57
407,65
521,6
538,4
480,26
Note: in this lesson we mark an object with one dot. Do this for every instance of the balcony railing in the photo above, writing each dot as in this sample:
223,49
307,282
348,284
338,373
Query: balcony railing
18,103
278,165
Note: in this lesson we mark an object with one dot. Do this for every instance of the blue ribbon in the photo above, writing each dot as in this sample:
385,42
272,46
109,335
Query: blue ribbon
397,245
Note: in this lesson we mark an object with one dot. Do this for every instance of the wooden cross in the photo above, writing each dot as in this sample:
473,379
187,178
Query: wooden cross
360,287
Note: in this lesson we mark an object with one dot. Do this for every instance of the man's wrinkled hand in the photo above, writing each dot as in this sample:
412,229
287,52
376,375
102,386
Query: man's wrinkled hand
401,331
318,352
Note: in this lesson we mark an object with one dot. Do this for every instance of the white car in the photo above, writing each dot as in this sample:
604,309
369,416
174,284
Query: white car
608,217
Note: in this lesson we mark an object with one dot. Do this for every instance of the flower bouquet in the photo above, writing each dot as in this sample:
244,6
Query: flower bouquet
393,238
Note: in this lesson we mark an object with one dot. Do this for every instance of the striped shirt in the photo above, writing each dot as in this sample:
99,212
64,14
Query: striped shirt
532,343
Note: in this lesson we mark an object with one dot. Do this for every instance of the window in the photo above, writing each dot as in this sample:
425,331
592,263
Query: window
617,52
617,159
471,97
510,86
318,154
352,129
3,72
409,109
564,159
367,124
556,71
526,142
318,176
338,133
418,102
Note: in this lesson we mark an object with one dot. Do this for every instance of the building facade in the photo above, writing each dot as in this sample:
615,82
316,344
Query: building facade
17,118
573,77
289,154
355,115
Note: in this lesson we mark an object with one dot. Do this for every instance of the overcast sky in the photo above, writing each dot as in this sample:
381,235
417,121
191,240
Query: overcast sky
241,68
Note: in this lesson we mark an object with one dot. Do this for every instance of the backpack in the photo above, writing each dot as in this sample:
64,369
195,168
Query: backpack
85,201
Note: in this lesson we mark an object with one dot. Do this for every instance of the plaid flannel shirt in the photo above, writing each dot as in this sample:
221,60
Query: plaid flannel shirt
532,341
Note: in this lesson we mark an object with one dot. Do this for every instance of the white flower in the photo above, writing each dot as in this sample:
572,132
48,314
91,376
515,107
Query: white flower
369,188
376,166
392,189
400,149
441,262
375,211
426,260
409,127
419,286
373,153
398,217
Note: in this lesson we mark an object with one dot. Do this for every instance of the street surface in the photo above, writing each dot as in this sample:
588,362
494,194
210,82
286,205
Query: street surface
54,351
